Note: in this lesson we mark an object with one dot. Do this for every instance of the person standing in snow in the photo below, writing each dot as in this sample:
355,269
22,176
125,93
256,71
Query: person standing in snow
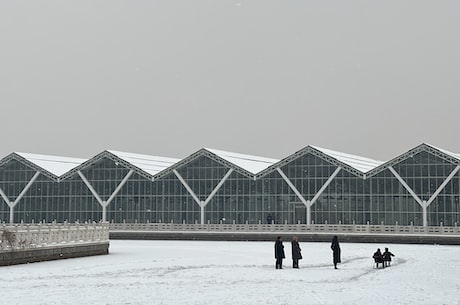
279,253
335,251
387,257
296,255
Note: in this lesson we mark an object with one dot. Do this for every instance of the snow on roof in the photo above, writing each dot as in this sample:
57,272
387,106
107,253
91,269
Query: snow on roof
360,163
455,155
252,164
149,164
56,165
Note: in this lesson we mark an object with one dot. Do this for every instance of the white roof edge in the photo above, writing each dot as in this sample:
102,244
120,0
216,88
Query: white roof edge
51,157
142,156
147,163
251,163
59,165
56,165
362,164
242,156
452,154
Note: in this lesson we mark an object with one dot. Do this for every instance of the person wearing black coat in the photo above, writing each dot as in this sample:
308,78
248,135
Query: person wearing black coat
378,258
387,257
296,252
279,253
335,251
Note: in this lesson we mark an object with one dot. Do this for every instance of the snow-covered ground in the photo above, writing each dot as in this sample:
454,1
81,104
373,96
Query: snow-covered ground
199,272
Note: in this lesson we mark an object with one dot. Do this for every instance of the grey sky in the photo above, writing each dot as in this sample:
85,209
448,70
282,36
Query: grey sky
373,78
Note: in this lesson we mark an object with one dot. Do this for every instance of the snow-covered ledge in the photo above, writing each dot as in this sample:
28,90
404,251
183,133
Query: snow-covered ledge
26,236
22,244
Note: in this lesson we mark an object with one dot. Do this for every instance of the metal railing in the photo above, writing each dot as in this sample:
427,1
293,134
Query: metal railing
298,228
23,236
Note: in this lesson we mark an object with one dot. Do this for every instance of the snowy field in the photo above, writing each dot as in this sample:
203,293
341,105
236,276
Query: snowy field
198,272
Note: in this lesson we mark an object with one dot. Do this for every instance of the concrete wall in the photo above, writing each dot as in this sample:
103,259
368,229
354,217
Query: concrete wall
23,256
304,237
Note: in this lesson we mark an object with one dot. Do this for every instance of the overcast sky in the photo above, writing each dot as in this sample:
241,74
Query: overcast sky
166,78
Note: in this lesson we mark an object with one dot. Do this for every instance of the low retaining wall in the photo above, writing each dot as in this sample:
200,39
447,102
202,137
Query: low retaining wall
23,256
28,243
304,237
306,233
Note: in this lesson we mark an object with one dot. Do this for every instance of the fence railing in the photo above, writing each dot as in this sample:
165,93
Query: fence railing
23,236
300,228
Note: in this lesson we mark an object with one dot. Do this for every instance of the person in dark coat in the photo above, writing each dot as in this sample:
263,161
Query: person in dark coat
378,258
387,257
296,252
335,251
269,219
279,253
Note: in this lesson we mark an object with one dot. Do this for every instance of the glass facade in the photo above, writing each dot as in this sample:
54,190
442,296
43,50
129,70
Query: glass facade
347,199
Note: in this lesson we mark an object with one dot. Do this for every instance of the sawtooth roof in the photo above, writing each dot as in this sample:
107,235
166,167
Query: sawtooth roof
149,164
360,163
154,165
56,165
250,163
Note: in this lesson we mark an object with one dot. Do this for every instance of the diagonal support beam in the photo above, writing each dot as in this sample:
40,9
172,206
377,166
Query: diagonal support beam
189,189
122,183
309,203
406,186
424,204
293,188
218,186
3,195
201,203
325,185
103,203
12,204
29,184
443,185
90,187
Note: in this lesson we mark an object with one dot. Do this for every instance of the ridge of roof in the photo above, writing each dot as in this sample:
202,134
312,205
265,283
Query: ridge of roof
363,164
56,165
452,154
152,165
250,163
148,163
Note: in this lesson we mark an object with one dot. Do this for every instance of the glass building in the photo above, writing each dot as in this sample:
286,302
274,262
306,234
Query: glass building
314,185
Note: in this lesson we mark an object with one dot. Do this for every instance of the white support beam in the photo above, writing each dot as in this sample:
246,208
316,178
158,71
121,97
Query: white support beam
11,214
29,184
425,213
90,187
122,183
189,189
406,186
308,203
104,213
293,188
103,203
12,204
443,185
202,214
218,186
202,204
325,185
423,204
4,197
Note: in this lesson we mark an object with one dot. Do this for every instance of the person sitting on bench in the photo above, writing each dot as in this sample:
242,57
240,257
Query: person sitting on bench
378,258
387,257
